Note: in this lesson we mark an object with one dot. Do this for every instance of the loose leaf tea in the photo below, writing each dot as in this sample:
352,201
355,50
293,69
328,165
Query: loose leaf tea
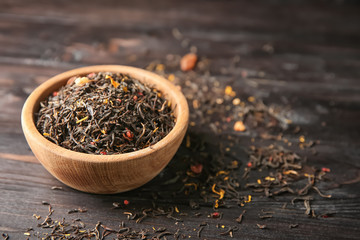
76,229
240,152
244,154
105,113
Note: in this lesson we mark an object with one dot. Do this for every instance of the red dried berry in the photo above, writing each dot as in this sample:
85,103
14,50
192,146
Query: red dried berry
215,215
325,169
91,75
197,169
129,134
249,164
126,202
103,153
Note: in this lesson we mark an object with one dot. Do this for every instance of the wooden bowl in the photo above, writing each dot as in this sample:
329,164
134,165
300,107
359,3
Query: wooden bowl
105,174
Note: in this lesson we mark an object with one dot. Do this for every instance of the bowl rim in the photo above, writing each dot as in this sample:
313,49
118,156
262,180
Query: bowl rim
28,123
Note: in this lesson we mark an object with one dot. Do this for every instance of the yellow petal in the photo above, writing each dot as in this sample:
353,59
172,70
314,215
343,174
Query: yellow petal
113,82
83,119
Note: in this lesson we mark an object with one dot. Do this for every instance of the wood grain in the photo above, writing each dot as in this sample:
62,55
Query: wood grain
24,158
305,54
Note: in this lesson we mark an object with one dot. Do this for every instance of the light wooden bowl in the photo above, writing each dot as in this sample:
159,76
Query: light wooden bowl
105,174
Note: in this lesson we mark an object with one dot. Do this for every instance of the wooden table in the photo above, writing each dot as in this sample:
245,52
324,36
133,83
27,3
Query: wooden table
303,54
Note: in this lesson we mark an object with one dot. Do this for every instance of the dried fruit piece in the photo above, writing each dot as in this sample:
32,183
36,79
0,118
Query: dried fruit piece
239,126
129,134
188,62
196,168
81,81
215,215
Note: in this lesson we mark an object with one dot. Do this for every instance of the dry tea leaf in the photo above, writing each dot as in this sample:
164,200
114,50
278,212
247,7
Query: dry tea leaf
188,62
261,226
239,126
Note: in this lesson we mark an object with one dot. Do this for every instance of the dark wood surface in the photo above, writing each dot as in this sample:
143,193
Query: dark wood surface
303,54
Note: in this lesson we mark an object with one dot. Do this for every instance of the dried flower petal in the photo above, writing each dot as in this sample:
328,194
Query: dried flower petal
229,91
113,82
129,134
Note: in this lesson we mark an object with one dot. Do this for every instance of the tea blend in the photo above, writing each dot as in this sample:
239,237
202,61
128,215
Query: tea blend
105,113
248,151
76,229
217,174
